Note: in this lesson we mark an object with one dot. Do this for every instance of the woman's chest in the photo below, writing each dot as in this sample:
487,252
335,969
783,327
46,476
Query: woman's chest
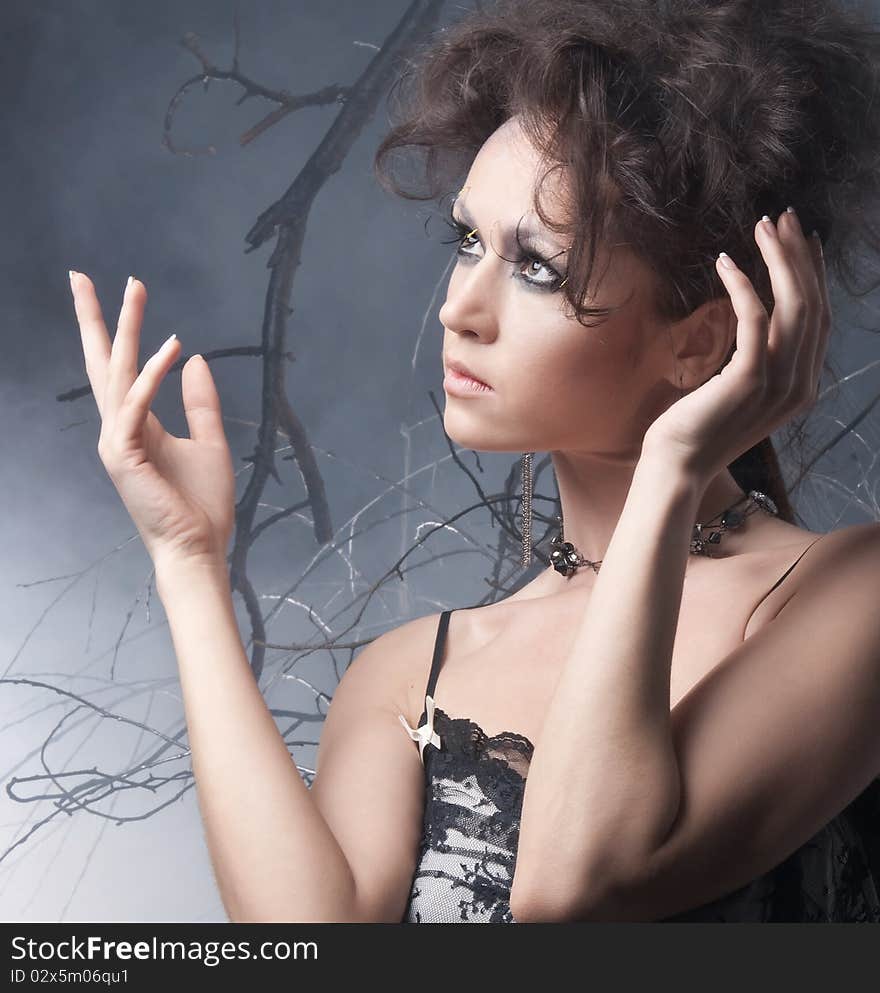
500,666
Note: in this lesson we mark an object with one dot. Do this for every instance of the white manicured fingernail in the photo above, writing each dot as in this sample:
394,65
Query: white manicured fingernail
168,340
726,260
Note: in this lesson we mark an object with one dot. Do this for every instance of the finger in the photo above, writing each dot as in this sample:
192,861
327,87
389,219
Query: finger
201,402
792,236
789,309
122,369
752,321
798,248
93,334
128,427
825,306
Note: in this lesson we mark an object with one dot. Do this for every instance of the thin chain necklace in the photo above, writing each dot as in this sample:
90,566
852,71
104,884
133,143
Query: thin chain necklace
566,559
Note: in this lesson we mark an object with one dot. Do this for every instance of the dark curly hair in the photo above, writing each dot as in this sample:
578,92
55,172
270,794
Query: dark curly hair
678,125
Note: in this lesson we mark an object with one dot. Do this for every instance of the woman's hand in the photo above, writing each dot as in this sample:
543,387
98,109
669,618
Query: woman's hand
180,492
775,369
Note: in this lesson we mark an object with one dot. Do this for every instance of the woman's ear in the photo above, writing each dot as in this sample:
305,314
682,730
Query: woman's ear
703,342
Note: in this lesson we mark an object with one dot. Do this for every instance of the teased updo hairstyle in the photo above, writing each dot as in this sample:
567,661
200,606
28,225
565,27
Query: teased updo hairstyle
680,124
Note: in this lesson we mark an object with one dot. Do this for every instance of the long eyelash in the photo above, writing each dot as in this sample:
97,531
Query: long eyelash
462,231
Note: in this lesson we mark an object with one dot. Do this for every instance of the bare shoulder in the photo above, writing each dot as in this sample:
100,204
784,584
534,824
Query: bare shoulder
856,542
846,559
400,660
369,780
810,553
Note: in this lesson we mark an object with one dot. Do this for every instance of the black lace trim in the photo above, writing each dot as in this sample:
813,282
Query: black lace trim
468,738
474,791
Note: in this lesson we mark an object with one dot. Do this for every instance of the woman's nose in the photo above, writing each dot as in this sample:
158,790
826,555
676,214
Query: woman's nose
472,296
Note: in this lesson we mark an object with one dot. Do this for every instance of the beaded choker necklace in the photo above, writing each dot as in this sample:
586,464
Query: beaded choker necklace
566,559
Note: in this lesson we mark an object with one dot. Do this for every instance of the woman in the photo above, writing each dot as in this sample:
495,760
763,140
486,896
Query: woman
693,680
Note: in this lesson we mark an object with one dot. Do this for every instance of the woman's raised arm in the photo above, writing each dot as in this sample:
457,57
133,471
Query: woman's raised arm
344,851
280,853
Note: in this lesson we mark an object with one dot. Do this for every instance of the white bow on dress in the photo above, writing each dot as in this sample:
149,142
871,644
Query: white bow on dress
426,732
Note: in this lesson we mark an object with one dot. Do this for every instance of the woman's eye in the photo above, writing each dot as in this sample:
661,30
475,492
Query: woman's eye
466,238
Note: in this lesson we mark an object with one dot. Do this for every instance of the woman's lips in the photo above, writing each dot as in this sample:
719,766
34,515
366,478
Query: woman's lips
459,384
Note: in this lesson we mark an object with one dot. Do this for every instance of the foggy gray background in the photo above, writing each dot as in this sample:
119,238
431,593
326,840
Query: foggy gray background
87,185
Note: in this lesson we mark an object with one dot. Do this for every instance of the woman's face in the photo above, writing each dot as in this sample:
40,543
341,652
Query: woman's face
556,385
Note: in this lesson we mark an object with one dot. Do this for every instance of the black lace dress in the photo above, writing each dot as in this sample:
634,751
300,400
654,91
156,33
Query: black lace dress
474,787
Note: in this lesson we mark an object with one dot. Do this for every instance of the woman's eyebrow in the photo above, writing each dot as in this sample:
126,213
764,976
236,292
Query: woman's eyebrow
526,228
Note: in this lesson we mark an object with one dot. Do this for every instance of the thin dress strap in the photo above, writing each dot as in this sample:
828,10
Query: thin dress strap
788,570
437,660
424,732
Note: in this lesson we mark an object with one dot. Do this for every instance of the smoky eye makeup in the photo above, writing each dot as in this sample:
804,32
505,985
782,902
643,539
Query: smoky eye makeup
466,236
